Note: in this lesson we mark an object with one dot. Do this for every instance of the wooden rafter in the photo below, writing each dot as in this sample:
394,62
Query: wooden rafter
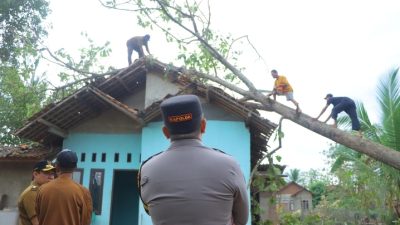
131,113
54,129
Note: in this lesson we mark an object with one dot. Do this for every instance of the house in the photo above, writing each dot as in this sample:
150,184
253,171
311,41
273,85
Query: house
292,197
16,164
115,124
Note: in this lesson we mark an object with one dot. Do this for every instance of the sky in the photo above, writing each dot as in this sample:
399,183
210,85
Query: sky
340,47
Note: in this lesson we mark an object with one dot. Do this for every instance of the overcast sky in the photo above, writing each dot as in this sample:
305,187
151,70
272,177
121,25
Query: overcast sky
340,47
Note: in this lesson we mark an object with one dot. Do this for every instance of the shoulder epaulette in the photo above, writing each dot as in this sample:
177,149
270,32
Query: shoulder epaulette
216,149
145,161
145,205
34,188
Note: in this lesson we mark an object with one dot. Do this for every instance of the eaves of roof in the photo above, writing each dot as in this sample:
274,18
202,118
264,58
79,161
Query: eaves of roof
89,101
26,153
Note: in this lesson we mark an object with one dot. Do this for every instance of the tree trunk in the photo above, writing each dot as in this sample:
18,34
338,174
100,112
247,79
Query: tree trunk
374,150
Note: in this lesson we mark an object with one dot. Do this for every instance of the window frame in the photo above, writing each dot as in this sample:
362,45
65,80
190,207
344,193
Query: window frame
80,172
97,200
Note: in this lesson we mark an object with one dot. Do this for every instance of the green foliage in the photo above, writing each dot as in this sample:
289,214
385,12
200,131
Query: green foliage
318,190
21,28
294,176
193,18
290,219
294,218
22,91
21,95
364,184
389,100
269,182
81,68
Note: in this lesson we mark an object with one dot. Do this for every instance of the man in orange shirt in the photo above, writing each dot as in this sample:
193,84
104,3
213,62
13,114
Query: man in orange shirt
282,87
62,201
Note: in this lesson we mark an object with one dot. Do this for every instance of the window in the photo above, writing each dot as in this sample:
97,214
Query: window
93,157
304,204
103,157
77,175
116,157
96,189
83,157
129,157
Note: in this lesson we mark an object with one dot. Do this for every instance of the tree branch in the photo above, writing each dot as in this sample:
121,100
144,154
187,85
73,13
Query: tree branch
251,44
122,9
66,65
212,51
268,155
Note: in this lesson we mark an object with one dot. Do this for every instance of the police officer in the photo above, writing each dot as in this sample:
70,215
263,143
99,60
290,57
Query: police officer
190,183
43,172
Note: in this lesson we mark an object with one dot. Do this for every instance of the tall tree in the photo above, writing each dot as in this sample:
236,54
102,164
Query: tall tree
21,90
20,97
21,28
193,18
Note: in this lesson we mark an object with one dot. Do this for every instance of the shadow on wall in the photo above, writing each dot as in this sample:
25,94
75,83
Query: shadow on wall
7,215
3,201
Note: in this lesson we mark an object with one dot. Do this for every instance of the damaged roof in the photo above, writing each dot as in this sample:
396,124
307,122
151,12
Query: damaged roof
53,122
27,152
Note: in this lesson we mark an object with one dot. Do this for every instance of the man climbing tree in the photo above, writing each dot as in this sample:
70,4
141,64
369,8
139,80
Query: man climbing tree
341,104
282,87
137,43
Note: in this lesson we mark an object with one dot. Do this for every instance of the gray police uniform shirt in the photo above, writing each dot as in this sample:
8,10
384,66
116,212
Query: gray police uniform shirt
193,184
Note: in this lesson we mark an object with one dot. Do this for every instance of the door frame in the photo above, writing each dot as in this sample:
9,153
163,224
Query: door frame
112,190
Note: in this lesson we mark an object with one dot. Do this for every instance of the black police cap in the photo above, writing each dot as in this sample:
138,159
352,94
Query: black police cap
67,159
182,114
43,166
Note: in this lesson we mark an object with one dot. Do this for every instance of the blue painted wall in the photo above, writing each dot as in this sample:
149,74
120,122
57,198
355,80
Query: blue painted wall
231,137
109,144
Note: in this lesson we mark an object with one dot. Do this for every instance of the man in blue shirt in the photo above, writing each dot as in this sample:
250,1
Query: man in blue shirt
341,104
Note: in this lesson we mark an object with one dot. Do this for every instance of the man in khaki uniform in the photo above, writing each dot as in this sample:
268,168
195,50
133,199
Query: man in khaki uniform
63,201
43,172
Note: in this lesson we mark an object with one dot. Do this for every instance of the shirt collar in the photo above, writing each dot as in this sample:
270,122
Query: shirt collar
186,142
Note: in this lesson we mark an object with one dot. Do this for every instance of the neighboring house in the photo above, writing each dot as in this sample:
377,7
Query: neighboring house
114,124
290,198
294,197
16,164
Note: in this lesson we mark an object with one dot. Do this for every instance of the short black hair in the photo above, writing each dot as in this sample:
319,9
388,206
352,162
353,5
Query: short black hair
274,71
146,37
329,96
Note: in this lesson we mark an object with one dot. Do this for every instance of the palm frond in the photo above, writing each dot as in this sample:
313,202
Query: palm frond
370,130
389,100
344,121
